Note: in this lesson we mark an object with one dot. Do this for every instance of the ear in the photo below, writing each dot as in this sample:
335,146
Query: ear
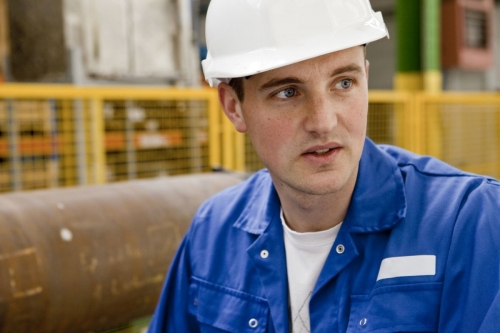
231,106
367,68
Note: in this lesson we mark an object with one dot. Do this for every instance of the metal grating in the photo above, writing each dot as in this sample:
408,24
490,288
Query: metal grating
146,139
381,126
107,136
465,135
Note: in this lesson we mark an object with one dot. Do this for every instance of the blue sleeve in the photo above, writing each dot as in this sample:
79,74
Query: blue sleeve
171,314
492,317
471,298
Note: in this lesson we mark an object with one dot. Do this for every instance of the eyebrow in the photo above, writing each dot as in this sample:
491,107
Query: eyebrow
346,69
275,82
280,82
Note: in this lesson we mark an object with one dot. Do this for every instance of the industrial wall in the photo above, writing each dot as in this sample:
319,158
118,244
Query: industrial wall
134,41
104,42
36,34
382,54
100,41
382,58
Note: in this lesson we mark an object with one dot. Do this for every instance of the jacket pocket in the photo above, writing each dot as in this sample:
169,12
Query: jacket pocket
221,309
400,308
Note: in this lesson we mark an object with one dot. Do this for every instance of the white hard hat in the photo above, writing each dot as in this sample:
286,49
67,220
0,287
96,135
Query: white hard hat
246,37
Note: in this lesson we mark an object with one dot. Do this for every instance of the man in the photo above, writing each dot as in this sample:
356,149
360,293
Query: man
337,234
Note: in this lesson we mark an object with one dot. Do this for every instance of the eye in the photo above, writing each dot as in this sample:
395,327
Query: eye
344,84
286,93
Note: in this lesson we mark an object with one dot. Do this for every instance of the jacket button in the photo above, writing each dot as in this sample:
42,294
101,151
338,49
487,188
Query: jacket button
253,323
363,322
340,249
264,254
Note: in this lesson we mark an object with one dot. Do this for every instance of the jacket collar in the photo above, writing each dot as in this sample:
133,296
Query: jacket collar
378,202
379,199
262,205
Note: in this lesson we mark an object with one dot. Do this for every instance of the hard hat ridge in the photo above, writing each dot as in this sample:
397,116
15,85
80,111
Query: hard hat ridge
246,37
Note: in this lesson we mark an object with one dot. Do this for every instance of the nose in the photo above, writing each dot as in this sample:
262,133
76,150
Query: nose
321,116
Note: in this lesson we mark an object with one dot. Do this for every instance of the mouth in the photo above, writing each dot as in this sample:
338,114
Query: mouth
321,150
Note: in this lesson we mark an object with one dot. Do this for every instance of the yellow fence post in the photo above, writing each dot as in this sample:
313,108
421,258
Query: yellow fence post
431,109
97,139
80,138
214,129
417,129
68,156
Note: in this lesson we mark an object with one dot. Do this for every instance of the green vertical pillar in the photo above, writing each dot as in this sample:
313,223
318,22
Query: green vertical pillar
431,45
408,33
432,77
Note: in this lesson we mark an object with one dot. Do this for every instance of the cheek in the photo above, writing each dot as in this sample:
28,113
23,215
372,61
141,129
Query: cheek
356,118
270,135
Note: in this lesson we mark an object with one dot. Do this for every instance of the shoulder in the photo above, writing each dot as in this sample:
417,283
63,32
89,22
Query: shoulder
435,169
228,205
437,189
422,164
443,189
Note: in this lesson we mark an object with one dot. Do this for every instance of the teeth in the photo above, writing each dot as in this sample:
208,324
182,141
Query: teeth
322,151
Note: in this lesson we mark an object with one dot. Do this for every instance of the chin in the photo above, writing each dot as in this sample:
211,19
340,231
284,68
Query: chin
321,186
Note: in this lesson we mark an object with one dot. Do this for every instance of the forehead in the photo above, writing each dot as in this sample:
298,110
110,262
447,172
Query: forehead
322,65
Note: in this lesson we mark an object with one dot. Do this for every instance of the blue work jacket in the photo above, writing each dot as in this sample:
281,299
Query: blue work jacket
229,274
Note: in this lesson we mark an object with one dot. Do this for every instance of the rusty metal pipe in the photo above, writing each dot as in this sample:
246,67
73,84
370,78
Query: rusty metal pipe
93,258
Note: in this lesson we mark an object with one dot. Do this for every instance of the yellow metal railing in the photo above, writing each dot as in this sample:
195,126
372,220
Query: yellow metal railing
60,135
462,129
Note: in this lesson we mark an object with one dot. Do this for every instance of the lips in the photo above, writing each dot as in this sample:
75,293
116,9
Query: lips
321,149
321,152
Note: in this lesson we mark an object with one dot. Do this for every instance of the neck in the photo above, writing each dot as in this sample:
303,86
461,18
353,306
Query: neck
305,212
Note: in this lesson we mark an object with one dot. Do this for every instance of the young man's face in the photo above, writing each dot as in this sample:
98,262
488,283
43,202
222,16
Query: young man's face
307,121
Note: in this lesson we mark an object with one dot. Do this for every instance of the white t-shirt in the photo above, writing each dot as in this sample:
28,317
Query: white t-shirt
306,253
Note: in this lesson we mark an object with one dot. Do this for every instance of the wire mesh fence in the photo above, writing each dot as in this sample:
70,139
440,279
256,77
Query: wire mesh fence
68,137
53,136
463,130
147,139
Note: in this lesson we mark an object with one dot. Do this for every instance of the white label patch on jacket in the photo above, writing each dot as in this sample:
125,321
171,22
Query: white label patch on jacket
407,266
